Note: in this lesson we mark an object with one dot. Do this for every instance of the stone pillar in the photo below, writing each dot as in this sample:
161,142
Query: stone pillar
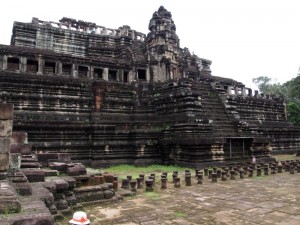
148,74
91,72
41,64
149,185
229,90
74,72
4,63
105,74
1,62
236,91
125,184
6,118
200,178
59,68
23,64
163,183
244,92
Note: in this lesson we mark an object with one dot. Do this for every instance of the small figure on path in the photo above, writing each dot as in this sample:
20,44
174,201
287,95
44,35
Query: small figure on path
253,159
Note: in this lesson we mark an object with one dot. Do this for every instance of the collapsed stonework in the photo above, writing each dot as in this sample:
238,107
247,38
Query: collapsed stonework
109,96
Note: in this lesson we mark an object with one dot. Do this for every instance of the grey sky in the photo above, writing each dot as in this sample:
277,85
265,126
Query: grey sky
243,38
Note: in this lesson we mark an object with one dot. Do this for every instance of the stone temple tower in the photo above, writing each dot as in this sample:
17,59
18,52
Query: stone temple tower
163,44
167,59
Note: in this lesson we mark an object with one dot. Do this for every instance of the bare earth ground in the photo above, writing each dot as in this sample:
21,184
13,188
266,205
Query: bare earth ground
272,199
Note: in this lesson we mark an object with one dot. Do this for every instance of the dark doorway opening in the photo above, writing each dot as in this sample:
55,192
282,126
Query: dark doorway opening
236,148
83,71
67,69
98,73
141,74
13,63
49,68
125,77
112,75
32,66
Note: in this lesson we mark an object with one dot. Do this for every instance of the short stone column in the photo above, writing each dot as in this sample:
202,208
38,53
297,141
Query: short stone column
219,173
188,180
142,176
242,173
129,177
214,177
115,183
133,185
232,174
273,169
200,178
266,170
224,176
139,183
125,184
292,169
174,175
250,174
177,182
165,174
209,174
279,169
163,183
258,172
149,185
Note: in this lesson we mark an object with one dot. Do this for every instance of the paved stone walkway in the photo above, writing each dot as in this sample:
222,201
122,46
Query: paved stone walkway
272,199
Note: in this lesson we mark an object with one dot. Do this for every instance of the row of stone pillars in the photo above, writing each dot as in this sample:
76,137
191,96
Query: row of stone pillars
224,173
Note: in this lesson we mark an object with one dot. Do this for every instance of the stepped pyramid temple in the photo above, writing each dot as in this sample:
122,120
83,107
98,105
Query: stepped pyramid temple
109,96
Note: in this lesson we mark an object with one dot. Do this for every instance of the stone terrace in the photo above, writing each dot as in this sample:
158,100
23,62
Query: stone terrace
272,199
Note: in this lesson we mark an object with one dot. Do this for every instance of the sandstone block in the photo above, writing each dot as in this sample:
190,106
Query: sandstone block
24,149
4,161
61,185
34,175
9,204
5,128
19,138
64,157
5,145
23,189
6,111
62,167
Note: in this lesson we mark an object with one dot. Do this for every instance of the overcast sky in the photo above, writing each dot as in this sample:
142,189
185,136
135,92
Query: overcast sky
243,38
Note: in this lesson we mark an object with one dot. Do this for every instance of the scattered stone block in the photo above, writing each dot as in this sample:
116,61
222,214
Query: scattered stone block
34,175
6,128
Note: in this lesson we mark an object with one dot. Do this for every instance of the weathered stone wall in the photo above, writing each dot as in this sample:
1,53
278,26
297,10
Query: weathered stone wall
6,122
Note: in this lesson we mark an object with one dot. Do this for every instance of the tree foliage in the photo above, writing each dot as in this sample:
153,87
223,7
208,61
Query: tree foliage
289,90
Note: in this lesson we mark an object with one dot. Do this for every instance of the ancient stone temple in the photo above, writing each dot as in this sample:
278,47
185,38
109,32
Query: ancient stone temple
110,96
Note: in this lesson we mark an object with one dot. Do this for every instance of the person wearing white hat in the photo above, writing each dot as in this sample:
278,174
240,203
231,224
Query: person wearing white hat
79,218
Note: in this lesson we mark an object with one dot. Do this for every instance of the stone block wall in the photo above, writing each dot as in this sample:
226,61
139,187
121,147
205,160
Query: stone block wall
6,122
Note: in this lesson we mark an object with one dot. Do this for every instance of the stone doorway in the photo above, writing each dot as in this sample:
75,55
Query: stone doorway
236,148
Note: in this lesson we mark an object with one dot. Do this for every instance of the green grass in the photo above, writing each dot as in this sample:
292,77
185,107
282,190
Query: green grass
180,214
152,195
123,170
